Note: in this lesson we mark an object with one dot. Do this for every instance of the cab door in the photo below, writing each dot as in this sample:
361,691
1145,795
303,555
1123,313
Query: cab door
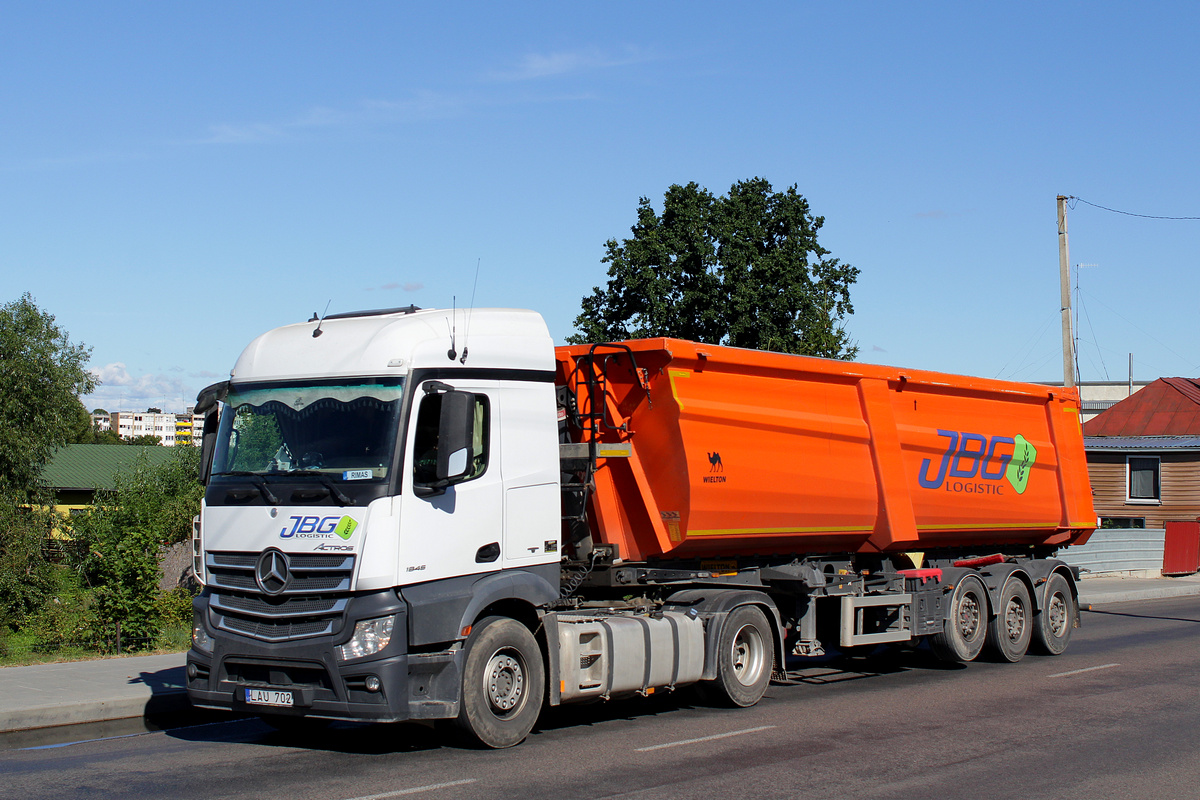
455,528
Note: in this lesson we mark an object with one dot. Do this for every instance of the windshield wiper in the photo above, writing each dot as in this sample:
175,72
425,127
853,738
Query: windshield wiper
259,482
338,494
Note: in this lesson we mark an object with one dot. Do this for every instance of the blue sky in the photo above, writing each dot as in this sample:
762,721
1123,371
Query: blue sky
175,179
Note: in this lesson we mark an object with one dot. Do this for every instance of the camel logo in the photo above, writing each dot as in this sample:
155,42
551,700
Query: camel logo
715,466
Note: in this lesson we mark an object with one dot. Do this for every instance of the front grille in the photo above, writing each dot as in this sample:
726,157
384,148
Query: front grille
312,603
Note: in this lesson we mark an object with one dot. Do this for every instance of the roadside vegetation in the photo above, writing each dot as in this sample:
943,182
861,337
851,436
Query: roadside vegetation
87,586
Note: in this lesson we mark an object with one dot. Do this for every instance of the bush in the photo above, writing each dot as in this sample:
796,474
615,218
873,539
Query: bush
121,539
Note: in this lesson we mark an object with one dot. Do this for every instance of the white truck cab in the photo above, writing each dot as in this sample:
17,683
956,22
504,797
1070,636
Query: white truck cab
374,482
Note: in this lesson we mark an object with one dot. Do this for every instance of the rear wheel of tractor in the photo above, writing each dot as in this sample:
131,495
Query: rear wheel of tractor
504,681
1054,623
745,657
965,626
1009,633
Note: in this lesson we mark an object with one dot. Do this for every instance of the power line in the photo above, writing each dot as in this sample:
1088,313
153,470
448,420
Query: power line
1126,213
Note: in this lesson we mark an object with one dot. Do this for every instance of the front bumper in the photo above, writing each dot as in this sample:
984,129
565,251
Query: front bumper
410,685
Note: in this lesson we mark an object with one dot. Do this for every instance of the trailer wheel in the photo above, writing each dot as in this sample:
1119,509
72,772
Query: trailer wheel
1009,632
1054,623
504,681
745,656
965,628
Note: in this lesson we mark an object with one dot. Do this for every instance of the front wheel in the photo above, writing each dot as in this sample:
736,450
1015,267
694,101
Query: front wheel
504,682
745,657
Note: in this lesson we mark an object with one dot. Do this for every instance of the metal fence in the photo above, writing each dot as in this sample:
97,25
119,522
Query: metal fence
1118,550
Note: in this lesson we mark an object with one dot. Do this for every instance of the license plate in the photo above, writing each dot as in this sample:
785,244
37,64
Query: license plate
269,697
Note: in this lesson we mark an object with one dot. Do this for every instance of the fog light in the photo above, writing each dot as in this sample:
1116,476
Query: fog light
373,684
192,672
370,636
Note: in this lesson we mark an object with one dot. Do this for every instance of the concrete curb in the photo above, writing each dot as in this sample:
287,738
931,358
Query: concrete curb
1100,597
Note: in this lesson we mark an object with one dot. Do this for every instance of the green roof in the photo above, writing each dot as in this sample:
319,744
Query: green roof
94,466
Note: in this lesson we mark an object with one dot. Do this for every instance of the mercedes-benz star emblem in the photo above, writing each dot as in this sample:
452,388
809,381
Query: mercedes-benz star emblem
272,572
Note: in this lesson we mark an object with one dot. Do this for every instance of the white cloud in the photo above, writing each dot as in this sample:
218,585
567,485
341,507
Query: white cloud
410,286
422,105
121,391
535,66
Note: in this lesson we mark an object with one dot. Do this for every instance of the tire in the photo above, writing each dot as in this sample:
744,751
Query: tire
1010,630
1057,618
964,629
504,683
745,658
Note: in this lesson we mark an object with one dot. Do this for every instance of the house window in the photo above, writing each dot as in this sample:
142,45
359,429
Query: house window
1143,479
1122,522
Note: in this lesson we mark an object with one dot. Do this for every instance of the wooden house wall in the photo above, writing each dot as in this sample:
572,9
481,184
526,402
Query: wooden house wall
1179,487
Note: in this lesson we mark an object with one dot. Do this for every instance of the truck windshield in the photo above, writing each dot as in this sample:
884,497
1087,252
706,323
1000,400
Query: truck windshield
339,430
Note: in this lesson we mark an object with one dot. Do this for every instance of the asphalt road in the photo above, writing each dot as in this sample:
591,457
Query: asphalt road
1116,716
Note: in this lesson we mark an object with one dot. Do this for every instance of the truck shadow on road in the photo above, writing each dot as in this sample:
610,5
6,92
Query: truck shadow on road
1141,616
383,739
337,737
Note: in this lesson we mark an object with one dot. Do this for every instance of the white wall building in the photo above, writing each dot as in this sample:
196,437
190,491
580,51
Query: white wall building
170,428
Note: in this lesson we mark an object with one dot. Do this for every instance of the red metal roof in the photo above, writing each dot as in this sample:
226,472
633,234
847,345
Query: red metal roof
1167,407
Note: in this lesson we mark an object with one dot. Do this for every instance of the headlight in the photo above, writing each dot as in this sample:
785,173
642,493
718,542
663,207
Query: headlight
200,638
370,636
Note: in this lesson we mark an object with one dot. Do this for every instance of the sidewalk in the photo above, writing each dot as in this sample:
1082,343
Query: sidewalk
125,695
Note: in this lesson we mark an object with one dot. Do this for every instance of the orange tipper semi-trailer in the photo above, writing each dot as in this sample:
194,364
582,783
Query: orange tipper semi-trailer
410,515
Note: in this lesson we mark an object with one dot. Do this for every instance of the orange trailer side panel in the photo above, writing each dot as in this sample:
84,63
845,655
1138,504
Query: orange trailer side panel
745,452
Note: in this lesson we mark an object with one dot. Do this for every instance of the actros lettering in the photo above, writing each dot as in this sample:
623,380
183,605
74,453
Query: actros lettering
969,456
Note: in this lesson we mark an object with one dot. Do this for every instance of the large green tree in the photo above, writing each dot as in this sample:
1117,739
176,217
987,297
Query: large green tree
42,374
743,269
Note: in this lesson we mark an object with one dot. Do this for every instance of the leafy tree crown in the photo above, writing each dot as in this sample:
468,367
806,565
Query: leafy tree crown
743,269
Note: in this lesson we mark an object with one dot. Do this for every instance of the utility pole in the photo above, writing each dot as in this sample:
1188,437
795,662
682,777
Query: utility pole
1064,274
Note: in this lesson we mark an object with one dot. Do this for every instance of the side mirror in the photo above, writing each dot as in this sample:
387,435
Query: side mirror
456,425
208,403
444,446
208,444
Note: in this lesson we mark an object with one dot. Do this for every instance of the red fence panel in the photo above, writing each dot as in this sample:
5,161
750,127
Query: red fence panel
1181,550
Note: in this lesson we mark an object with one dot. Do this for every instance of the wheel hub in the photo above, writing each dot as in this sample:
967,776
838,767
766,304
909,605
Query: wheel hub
505,682
747,655
1058,615
1014,619
968,616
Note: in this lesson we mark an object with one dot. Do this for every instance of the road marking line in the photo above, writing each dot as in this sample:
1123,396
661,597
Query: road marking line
704,739
1085,669
415,790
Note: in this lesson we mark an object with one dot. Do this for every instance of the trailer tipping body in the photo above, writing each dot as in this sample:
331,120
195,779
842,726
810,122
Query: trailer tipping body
735,451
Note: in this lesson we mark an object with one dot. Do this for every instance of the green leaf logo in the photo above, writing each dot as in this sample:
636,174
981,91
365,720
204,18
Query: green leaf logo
1024,454
345,528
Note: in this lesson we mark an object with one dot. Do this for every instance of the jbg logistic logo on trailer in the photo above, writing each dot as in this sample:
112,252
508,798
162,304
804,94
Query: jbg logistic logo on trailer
319,528
976,464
